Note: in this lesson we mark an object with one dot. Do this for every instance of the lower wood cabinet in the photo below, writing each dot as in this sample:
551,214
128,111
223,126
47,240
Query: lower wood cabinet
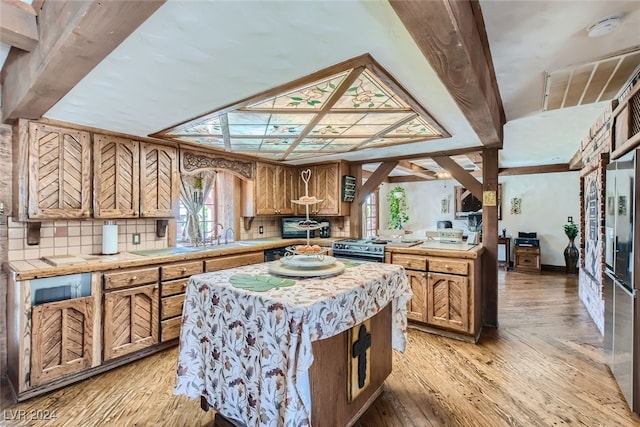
131,315
446,294
62,338
174,283
417,305
230,261
448,301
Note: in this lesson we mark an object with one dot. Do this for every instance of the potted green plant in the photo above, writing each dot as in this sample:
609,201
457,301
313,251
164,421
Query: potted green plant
397,199
571,253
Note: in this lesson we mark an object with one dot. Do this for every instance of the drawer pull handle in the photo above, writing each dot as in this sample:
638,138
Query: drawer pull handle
133,278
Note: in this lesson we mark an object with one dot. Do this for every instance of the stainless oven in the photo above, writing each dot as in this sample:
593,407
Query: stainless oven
359,249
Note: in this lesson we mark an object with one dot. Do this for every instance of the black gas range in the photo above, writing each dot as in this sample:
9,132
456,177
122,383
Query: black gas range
360,249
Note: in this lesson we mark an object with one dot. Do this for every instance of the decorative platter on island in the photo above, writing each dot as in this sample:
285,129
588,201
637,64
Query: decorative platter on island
283,270
307,262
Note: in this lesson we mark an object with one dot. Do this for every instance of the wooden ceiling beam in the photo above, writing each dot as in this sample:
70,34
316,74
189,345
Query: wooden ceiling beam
74,37
527,170
575,163
452,37
376,178
419,156
461,175
18,25
416,170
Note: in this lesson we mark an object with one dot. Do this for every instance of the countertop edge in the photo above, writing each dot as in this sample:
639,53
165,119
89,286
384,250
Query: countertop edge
27,273
417,250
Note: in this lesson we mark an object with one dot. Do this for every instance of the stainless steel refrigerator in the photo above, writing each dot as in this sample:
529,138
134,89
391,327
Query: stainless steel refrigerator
622,309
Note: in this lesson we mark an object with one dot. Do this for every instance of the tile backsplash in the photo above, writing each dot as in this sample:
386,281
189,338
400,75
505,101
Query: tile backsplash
75,237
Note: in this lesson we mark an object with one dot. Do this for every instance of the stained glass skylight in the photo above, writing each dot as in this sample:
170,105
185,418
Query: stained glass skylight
350,106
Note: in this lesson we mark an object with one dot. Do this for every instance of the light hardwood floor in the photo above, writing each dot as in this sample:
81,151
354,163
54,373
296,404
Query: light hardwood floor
543,366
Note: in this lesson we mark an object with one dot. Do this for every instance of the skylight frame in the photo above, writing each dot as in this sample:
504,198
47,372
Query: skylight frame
320,97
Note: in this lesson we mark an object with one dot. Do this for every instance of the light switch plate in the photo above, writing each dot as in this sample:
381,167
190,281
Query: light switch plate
135,238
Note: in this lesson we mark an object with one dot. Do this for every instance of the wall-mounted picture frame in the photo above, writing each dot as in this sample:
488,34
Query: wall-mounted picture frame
465,202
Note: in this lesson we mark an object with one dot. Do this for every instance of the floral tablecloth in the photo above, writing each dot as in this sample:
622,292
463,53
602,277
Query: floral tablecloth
248,353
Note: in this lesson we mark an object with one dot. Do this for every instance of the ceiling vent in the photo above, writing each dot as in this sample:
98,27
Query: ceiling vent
589,83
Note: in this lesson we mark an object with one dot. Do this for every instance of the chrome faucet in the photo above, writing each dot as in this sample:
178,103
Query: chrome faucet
221,230
226,235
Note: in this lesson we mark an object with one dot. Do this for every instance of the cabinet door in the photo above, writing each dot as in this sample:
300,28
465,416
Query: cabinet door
116,172
130,320
265,189
448,301
59,172
327,187
416,307
62,339
285,191
159,188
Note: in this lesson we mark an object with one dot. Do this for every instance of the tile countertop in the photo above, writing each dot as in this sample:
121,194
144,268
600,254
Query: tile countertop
38,268
434,248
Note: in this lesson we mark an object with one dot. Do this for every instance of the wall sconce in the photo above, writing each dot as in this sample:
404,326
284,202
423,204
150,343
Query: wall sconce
515,205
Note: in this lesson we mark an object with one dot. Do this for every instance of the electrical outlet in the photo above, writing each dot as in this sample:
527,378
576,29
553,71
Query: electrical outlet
569,219
135,238
261,229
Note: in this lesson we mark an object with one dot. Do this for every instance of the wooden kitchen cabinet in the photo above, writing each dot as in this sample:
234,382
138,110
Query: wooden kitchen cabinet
62,339
274,188
159,181
53,172
448,301
230,261
116,172
130,313
527,259
446,293
172,288
417,305
326,185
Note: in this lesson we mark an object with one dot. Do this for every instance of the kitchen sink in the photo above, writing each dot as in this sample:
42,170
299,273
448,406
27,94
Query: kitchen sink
167,251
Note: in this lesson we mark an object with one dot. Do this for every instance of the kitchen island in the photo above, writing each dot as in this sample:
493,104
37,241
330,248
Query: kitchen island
252,355
446,282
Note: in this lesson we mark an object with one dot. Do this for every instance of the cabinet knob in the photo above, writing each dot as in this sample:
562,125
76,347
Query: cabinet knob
447,267
183,270
133,278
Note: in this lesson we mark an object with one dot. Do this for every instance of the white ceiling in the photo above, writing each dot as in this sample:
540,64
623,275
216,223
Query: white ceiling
190,58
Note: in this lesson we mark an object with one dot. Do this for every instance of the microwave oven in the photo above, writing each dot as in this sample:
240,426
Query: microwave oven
290,228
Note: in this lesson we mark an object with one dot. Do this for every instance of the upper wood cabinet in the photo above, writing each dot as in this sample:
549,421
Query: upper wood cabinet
326,185
159,181
53,172
274,187
134,179
116,168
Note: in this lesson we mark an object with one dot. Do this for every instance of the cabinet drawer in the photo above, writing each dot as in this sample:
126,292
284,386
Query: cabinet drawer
215,264
450,266
173,287
178,271
527,250
170,329
171,306
130,278
413,262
